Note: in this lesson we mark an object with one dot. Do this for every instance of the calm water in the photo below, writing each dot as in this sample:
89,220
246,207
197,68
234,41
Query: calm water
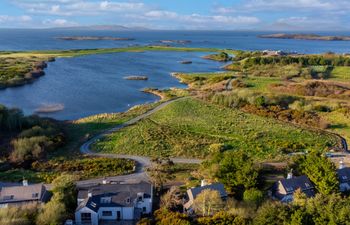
94,84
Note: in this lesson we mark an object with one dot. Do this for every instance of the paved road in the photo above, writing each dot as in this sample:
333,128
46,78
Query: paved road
142,161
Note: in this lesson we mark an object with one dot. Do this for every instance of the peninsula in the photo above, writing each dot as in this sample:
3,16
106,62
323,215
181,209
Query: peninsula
313,37
94,38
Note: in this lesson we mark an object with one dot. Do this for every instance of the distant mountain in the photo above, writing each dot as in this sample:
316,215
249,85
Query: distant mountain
101,28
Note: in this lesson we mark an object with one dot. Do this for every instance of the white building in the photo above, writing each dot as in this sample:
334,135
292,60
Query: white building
113,202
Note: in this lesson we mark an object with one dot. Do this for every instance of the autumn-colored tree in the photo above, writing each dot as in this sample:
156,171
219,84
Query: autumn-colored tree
208,202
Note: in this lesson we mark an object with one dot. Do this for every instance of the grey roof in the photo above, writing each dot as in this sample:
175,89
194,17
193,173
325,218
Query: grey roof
193,192
291,185
294,183
35,192
118,193
344,175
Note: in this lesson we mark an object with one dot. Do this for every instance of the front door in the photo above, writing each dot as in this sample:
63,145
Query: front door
118,215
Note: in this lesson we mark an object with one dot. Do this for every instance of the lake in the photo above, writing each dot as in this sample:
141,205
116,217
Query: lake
94,84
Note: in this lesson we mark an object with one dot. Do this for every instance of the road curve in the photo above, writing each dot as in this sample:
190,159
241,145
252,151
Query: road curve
142,161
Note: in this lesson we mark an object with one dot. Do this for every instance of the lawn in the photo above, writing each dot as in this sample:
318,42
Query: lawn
187,128
341,73
261,84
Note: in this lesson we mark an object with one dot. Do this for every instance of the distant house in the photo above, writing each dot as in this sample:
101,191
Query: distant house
21,195
113,202
284,189
194,192
344,177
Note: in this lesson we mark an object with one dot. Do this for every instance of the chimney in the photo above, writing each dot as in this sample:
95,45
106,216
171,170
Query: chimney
341,164
203,183
290,174
25,182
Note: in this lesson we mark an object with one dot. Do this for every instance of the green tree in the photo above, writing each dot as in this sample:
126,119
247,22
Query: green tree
237,170
52,213
321,171
253,196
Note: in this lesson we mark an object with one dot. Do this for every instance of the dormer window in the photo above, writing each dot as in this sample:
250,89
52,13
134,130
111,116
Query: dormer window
105,200
139,197
307,185
35,195
9,197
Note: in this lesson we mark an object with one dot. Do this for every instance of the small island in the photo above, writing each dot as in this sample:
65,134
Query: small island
313,37
136,78
94,38
175,41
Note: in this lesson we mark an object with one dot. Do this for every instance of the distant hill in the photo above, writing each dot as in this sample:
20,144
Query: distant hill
306,37
101,28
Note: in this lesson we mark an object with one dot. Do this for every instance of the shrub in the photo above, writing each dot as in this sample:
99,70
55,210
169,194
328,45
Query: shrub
253,196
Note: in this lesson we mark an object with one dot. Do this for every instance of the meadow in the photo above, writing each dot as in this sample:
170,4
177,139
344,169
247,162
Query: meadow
191,127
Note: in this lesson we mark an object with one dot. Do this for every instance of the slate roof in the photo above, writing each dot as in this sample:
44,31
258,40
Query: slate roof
294,183
35,192
193,192
118,194
344,175
291,185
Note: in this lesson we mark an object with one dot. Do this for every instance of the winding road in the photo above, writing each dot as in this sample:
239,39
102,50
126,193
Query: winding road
145,162
142,161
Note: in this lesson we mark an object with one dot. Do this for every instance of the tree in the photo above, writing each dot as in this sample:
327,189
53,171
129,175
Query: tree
64,188
321,171
222,218
53,213
272,213
208,202
253,196
159,173
237,171
171,200
165,217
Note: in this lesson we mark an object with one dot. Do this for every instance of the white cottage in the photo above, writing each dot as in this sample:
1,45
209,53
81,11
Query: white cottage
113,202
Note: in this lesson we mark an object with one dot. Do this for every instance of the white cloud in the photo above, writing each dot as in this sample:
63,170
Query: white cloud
15,19
77,7
58,23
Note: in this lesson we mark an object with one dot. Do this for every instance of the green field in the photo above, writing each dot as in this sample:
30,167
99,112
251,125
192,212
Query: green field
341,73
188,127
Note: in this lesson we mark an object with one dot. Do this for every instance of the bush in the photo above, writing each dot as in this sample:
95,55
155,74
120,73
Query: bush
29,149
253,196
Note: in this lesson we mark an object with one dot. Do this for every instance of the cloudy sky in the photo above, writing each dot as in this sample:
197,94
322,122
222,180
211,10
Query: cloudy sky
179,14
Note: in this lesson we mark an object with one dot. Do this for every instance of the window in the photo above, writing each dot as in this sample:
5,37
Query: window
9,197
140,197
143,209
105,200
86,217
106,213
35,195
128,200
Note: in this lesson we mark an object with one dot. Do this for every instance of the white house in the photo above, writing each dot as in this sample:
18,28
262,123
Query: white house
113,202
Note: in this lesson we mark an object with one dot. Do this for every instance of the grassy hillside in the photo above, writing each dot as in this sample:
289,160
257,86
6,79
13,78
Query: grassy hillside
189,127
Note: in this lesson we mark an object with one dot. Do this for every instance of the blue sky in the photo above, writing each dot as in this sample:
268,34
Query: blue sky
179,14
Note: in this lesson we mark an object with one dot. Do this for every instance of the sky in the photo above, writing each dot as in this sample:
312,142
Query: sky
179,14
